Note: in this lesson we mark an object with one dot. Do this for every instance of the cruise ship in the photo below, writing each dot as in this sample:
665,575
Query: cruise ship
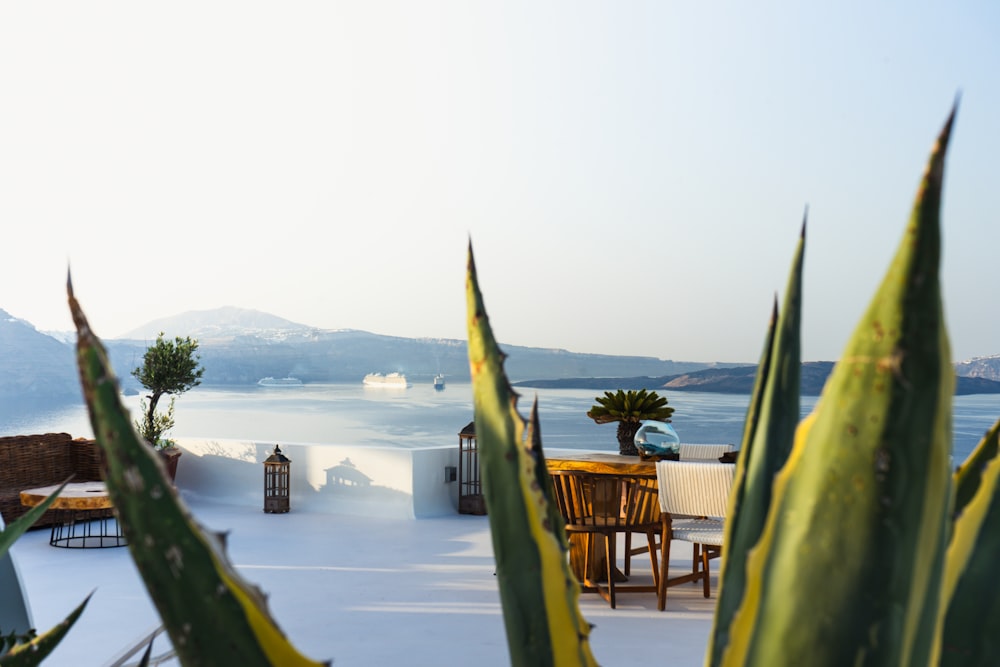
439,382
279,382
390,381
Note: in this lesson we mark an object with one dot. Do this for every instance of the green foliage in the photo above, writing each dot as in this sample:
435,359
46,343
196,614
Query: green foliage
28,648
155,423
168,368
849,564
538,591
971,619
33,652
629,409
212,615
768,435
11,639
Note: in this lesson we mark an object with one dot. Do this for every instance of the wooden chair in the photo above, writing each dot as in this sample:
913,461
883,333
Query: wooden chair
694,498
688,452
601,506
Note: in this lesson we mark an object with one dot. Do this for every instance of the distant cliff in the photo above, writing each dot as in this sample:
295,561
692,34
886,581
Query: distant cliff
239,347
34,366
734,380
987,368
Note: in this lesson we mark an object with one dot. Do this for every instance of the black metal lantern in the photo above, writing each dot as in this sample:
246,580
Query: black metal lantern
277,475
470,492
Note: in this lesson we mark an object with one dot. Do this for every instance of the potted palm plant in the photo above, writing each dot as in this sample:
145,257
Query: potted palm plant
629,409
169,368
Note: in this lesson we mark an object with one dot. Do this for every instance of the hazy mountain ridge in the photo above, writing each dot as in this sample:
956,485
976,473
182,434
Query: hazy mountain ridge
987,368
34,365
225,322
735,380
240,346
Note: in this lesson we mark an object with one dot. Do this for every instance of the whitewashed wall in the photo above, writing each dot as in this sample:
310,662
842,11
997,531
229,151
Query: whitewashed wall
342,479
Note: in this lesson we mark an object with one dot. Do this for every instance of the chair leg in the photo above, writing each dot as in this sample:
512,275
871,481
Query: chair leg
651,540
661,585
705,573
695,560
610,540
634,551
628,554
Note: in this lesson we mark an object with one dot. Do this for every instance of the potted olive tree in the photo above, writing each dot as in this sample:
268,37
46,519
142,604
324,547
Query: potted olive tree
629,409
169,368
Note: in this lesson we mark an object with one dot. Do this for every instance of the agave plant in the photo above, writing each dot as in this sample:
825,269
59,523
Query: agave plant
629,409
850,540
213,616
25,649
856,551
538,591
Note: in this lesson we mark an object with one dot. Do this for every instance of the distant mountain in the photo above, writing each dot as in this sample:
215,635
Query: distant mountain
240,346
225,322
34,365
987,368
735,380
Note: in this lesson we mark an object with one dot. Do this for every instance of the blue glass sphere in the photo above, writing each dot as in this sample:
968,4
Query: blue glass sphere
654,438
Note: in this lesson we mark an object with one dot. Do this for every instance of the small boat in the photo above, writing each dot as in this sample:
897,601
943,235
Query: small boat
390,381
439,382
279,382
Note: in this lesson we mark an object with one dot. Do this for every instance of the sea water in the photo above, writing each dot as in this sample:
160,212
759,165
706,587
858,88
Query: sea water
420,416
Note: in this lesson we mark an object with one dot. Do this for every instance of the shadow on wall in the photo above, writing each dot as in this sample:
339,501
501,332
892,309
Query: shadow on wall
346,473
367,481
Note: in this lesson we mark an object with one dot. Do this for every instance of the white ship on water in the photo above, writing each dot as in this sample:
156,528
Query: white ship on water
279,382
439,382
390,381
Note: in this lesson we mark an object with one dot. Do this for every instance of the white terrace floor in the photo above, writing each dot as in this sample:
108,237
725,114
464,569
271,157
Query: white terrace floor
357,591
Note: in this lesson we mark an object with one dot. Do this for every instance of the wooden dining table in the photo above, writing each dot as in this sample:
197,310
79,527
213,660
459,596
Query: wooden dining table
598,463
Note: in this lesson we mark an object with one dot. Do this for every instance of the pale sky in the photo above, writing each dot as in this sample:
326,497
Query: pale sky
632,175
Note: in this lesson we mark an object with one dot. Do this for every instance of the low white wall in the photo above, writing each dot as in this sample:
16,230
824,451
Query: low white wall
342,479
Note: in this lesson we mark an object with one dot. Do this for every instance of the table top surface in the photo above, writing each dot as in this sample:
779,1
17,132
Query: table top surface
600,462
76,496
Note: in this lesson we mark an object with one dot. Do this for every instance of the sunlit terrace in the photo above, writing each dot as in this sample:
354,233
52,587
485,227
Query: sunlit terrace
368,568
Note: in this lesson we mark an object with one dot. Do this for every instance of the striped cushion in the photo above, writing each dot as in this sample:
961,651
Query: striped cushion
694,488
702,531
706,452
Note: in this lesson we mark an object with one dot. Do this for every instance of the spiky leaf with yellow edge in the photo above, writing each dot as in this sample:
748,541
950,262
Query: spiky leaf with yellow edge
971,615
768,435
848,569
968,477
36,650
212,615
538,592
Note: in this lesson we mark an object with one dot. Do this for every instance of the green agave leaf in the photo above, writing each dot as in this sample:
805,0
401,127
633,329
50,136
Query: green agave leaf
212,615
968,475
769,432
971,616
9,535
848,569
34,652
538,592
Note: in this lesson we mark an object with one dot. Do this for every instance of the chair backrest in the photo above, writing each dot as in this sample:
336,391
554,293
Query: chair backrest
694,488
694,452
598,501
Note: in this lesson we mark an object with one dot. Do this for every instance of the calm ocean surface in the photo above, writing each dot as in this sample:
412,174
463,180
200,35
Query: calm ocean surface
422,417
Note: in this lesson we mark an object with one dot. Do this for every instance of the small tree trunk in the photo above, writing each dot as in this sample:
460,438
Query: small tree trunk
626,438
